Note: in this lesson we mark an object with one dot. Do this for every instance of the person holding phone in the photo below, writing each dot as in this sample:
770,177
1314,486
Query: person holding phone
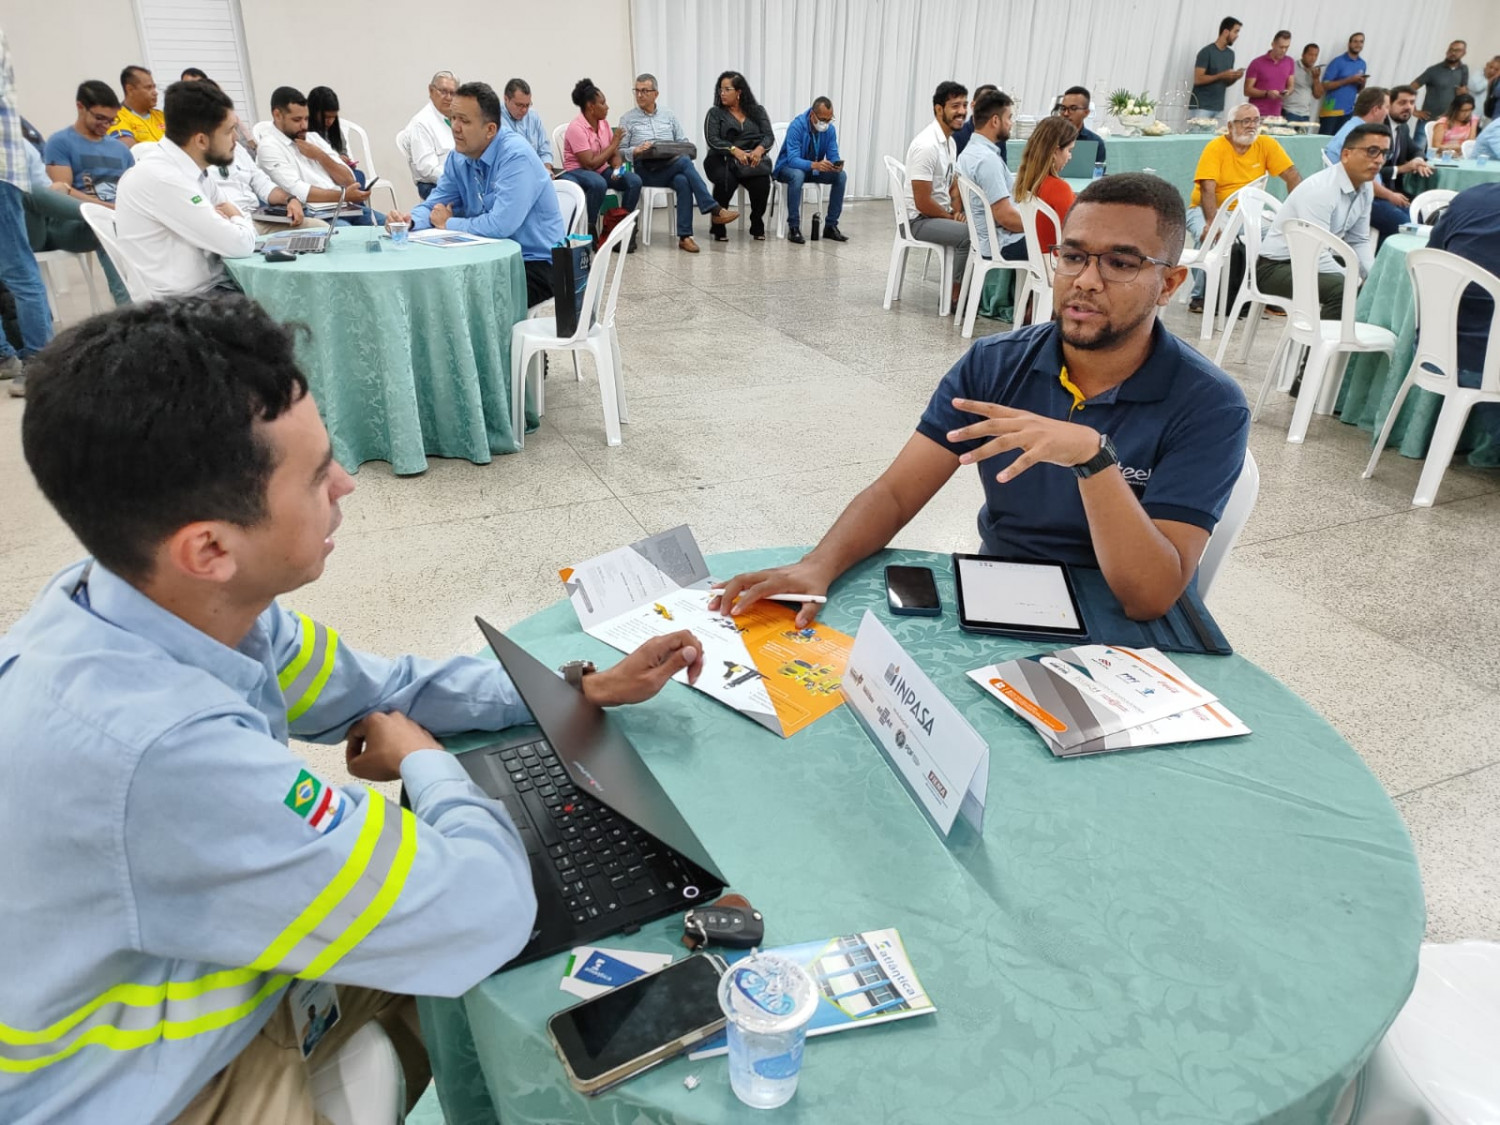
810,154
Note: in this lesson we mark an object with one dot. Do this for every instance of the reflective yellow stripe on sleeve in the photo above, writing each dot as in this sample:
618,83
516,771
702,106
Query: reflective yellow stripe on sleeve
303,679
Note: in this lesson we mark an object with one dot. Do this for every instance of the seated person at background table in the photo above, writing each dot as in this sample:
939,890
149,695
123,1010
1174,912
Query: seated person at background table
172,220
494,186
1047,152
739,135
138,119
519,117
1371,107
1271,77
1491,91
1450,131
1338,199
1391,205
248,188
1343,79
810,153
1470,228
428,137
1444,81
642,127
1388,211
241,129
1213,69
84,155
981,163
962,134
1117,444
1074,106
301,163
54,221
166,672
1226,164
933,204
323,120
591,156
1307,87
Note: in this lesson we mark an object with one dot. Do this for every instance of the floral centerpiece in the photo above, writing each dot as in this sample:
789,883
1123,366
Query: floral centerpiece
1135,111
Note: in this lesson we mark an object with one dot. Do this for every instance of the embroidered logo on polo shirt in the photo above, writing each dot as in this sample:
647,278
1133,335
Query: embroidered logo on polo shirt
1135,476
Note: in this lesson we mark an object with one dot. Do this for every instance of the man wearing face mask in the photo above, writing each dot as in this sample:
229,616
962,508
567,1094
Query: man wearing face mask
810,154
173,224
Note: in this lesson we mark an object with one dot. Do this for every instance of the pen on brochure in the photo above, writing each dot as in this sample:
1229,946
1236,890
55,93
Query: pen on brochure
815,599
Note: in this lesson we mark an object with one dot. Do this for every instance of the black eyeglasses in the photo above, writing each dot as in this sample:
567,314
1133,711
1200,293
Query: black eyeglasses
1114,265
1374,152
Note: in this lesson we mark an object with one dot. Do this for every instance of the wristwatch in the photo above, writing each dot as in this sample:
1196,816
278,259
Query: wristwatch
1099,461
574,671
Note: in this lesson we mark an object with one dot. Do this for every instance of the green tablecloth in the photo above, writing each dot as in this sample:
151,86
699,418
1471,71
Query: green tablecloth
1219,932
409,350
1454,177
1371,381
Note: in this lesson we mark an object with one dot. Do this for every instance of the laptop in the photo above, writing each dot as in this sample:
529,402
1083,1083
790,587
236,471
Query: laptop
307,241
608,849
1081,165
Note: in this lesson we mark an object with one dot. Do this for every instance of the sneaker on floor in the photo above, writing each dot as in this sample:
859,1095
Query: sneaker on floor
795,236
833,232
12,367
18,386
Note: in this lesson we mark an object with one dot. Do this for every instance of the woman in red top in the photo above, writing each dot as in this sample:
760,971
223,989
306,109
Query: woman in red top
1049,147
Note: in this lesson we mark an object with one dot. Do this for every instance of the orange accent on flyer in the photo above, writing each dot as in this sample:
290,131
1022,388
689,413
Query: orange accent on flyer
1046,718
801,667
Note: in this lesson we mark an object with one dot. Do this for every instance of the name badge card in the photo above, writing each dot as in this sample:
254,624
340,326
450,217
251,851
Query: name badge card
939,757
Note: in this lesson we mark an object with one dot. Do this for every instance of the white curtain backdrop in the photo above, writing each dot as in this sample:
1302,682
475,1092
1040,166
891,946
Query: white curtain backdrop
879,60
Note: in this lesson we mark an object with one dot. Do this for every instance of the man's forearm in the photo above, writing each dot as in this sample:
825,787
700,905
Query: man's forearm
871,520
1141,565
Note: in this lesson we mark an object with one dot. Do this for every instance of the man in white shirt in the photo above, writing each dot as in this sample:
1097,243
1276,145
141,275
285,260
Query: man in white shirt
301,163
248,188
936,212
173,225
428,137
1338,199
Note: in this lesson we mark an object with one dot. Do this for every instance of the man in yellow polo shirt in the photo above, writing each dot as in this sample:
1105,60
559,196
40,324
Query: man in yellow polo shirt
139,119
1227,164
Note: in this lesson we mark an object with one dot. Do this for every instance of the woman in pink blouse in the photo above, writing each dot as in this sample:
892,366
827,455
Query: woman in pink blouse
591,156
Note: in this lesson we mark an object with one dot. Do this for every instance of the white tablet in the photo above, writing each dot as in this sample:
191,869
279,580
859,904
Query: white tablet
998,595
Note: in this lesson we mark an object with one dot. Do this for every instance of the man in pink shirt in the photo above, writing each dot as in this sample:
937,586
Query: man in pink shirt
1269,78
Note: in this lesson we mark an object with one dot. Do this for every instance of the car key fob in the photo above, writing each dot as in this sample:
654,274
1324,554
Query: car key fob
730,921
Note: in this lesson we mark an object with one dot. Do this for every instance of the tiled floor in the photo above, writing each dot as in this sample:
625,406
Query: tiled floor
767,386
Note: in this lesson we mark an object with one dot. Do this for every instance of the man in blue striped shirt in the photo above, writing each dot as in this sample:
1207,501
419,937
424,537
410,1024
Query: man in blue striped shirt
519,117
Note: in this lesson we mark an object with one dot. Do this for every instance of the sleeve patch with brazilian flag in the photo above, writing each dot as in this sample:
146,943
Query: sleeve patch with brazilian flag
316,802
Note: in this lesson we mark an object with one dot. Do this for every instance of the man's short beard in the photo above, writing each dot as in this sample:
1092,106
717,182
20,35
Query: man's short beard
1108,337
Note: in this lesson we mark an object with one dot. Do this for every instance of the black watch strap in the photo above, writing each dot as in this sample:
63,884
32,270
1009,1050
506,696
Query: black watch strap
1099,461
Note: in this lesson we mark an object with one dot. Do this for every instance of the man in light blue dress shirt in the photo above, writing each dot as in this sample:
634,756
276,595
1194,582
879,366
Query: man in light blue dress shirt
519,117
494,185
981,163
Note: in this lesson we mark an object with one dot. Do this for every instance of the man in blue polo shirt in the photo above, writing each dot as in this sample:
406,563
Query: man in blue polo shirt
1343,79
1114,444
494,185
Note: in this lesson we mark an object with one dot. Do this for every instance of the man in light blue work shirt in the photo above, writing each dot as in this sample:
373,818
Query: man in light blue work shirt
981,163
179,866
520,118
494,185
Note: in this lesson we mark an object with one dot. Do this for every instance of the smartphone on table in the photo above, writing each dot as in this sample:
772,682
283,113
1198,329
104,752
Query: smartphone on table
640,1024
911,591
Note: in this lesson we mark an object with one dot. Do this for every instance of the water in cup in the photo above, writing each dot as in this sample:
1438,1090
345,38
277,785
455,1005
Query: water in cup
769,1001
398,234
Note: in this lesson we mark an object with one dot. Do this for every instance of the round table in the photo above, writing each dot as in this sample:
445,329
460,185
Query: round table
1371,380
408,352
1214,932
1454,177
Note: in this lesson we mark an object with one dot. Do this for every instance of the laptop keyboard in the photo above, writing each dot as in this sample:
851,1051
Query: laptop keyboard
603,862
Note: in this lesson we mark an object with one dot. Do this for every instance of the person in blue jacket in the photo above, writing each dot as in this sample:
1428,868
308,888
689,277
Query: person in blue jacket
810,153
171,865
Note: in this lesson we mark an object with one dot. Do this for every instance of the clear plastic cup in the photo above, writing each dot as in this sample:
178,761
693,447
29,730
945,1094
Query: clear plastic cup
399,232
769,1001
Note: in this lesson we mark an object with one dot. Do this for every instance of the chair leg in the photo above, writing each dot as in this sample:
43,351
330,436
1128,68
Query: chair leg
1288,374
86,264
1252,326
926,262
601,352
1265,384
577,370
945,297
1450,426
619,369
1389,424
536,378
647,206
971,296
1229,323
894,274
518,362
966,284
1331,383
1314,375
1210,302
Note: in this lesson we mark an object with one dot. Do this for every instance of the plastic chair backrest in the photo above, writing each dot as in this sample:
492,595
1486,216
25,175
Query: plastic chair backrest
557,145
574,206
609,260
101,221
1262,207
360,140
403,145
1306,243
1430,201
778,130
1439,279
1323,152
1038,257
897,172
975,205
1237,511
1466,149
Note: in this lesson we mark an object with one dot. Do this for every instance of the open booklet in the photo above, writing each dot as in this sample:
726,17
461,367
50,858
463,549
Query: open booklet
759,662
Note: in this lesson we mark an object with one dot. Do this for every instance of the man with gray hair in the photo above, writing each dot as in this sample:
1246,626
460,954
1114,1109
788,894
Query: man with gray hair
428,137
644,127
518,116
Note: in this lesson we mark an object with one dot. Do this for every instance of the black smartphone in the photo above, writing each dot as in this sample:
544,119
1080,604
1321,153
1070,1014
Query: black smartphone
644,1022
911,591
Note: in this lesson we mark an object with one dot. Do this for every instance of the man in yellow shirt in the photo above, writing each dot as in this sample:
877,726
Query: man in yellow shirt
139,119
1227,164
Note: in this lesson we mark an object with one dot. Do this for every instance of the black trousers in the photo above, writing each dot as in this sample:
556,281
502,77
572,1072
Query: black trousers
723,175
538,283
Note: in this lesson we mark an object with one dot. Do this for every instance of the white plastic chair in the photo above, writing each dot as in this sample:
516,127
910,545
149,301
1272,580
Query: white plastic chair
1039,261
57,283
573,204
1439,279
359,140
403,146
1212,257
1329,342
649,196
1466,150
1227,532
1259,208
978,267
1430,202
779,190
595,334
1323,152
362,1084
101,221
906,241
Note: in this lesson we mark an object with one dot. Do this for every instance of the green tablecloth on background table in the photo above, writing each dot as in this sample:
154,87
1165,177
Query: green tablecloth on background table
1454,177
1219,932
409,350
1371,381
